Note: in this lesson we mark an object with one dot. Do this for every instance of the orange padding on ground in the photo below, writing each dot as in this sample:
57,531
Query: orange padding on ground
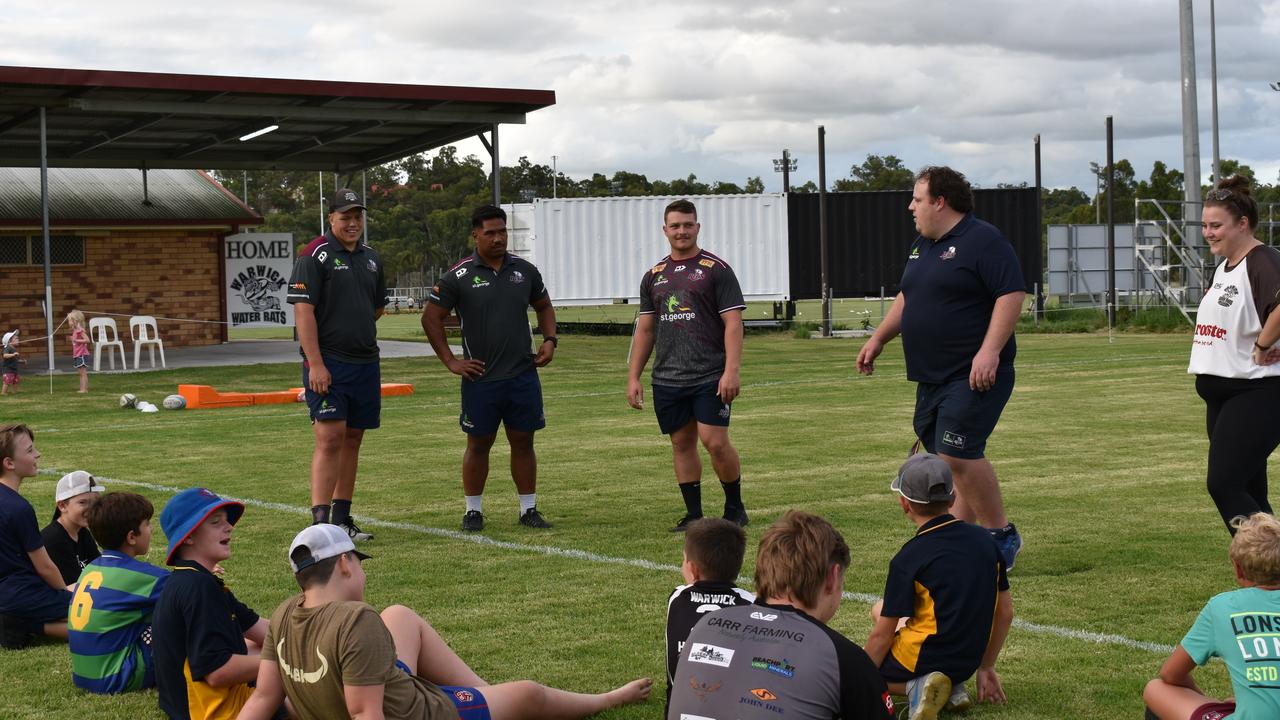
203,396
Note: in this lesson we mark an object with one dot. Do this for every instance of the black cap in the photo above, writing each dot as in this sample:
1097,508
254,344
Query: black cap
344,199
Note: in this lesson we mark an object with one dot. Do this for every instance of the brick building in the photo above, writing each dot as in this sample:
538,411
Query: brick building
117,247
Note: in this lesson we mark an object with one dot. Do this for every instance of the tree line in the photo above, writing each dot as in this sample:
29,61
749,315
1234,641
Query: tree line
420,207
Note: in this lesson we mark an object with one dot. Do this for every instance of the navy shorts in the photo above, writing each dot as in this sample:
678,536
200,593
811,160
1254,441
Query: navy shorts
41,605
515,402
951,419
80,361
355,394
468,701
893,671
676,406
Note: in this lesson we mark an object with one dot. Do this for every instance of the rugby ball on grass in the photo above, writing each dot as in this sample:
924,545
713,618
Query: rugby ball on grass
128,400
174,402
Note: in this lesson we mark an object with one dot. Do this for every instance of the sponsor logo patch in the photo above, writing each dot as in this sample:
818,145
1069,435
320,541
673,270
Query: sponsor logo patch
460,272
782,667
516,277
701,689
659,267
464,696
373,266
711,655
953,439
948,253
679,268
707,263
660,280
764,694
479,282
697,275
915,253
767,617
1228,296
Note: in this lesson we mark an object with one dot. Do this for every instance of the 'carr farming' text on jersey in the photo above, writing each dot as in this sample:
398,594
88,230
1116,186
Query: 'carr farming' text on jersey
687,298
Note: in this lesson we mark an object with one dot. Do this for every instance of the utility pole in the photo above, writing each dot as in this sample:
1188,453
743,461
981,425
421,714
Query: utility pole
1190,124
786,166
553,176
1213,84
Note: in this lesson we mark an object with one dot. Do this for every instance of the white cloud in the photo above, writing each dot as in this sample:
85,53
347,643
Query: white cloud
719,87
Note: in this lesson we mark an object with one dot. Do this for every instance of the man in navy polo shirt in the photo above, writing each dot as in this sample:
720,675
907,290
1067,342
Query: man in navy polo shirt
492,291
338,292
960,298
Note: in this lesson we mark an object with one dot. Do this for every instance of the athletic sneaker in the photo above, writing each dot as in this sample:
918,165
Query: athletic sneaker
926,695
532,518
14,634
473,521
737,515
959,700
354,532
1010,543
684,523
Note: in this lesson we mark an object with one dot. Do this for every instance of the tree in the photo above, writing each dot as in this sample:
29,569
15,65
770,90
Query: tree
754,185
877,173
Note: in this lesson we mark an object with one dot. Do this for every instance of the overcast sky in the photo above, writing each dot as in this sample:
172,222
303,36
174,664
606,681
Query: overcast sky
718,87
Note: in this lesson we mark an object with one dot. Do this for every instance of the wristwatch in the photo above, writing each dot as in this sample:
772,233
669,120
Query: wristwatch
551,339
1259,347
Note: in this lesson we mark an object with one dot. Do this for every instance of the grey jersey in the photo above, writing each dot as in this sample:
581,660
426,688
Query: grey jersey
687,298
768,661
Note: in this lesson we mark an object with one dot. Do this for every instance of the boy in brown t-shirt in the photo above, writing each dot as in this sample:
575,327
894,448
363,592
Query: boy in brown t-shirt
334,657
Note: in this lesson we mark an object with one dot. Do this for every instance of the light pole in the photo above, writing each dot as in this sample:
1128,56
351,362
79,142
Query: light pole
553,176
785,165
1097,194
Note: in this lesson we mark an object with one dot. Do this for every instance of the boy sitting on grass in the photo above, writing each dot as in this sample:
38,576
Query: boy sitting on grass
333,656
110,619
946,609
203,664
713,552
33,595
1240,627
67,537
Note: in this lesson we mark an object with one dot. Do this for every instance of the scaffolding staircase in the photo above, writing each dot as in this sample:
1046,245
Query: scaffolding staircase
1163,249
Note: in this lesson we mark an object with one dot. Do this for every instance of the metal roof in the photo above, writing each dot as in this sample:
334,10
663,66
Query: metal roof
106,119
115,197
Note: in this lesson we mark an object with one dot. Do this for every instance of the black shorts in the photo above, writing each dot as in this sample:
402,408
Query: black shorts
893,671
41,605
676,406
952,419
515,402
355,394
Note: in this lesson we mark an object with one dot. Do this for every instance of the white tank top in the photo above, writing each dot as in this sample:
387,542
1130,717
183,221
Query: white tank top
1227,326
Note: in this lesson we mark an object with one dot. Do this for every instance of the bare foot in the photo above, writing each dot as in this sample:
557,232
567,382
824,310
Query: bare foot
636,691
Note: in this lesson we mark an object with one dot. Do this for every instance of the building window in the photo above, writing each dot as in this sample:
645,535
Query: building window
63,250
13,250
29,250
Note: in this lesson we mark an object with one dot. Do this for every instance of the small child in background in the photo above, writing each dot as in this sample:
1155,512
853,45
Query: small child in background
79,347
10,363
67,539
713,551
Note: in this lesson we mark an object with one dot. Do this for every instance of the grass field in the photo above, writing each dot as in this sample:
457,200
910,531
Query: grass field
1100,451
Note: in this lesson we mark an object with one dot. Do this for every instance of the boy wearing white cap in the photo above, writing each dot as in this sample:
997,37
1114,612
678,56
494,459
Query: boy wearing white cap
335,657
9,363
67,538
946,607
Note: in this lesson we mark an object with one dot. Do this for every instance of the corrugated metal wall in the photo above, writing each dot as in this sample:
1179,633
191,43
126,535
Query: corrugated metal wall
870,233
593,250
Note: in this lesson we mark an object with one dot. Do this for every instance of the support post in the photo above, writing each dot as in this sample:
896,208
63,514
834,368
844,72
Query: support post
1111,227
497,169
822,229
44,233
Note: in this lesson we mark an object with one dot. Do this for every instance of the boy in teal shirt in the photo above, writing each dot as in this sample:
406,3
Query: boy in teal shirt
110,618
1242,627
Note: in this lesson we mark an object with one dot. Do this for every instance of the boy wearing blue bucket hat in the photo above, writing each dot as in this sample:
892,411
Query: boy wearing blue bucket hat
203,663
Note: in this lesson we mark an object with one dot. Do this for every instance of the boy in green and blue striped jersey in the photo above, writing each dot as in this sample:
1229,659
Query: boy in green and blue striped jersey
110,618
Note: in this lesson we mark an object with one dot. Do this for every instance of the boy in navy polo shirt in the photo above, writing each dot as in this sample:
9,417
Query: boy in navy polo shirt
33,596
946,607
203,664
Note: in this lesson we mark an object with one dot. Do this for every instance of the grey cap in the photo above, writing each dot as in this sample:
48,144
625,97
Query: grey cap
924,478
344,199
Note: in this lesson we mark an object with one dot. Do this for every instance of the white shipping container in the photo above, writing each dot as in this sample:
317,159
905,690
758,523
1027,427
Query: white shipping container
595,250
520,230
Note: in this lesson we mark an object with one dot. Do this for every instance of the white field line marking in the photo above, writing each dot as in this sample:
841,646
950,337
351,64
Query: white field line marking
1037,628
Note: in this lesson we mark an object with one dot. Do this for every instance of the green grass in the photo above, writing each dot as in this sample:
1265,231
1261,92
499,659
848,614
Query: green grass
1100,452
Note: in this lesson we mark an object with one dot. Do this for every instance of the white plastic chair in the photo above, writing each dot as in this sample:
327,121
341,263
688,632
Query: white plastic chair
142,329
103,333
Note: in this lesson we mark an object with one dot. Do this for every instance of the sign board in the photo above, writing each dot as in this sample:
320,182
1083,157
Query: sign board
258,266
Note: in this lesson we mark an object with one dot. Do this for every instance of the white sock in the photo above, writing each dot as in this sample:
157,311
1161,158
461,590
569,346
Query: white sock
474,502
527,502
